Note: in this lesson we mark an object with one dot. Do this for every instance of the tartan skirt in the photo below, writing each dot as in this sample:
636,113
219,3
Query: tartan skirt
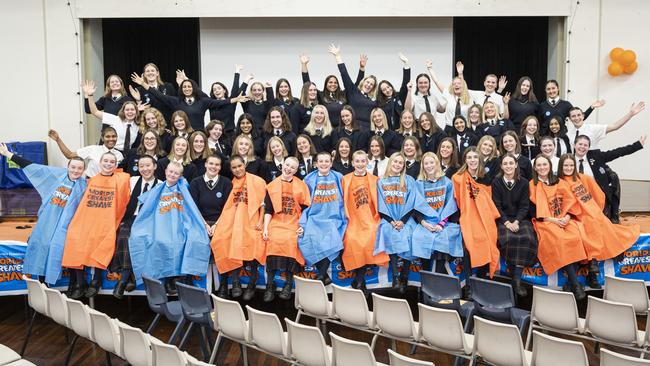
520,248
121,258
279,263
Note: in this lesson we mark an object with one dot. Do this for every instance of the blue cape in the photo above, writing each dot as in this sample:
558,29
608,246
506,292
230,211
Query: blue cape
324,220
395,202
168,237
439,196
60,197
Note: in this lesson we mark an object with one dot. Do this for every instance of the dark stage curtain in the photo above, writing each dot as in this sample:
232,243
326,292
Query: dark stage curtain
510,46
170,43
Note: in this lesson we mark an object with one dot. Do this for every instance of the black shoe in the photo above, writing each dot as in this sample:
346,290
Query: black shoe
396,283
170,286
93,289
130,284
616,219
592,281
578,292
467,293
519,288
285,294
269,293
249,293
77,293
236,290
327,280
354,284
365,291
222,291
118,291
566,287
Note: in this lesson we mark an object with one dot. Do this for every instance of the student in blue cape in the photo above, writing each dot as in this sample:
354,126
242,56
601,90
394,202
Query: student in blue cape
324,222
169,238
61,190
435,238
398,199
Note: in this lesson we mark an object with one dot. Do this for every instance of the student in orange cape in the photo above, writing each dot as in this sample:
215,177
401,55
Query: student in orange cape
237,238
473,193
91,235
360,200
559,235
286,197
603,239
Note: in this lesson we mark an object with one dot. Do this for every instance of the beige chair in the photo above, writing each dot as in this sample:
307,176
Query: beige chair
38,301
556,311
443,330
498,344
627,291
21,362
136,345
307,345
351,308
58,308
80,323
394,319
613,323
105,333
553,351
231,323
191,361
609,358
311,299
163,354
7,355
346,352
399,360
267,334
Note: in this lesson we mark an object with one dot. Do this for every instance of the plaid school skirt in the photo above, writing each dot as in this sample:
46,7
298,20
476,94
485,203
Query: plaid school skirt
518,248
121,258
278,263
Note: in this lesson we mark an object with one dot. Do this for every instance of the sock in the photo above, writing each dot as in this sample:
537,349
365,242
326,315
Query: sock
440,266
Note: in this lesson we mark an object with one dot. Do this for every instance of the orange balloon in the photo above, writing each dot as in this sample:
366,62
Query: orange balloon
631,68
615,69
627,57
615,53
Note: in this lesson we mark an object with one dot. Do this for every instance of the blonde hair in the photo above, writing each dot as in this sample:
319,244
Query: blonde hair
464,92
158,79
269,154
206,150
388,169
107,86
496,107
480,169
383,117
423,174
250,156
360,153
250,90
161,125
373,93
186,156
495,149
416,142
327,125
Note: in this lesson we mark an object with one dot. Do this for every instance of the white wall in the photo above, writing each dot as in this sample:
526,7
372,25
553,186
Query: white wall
271,49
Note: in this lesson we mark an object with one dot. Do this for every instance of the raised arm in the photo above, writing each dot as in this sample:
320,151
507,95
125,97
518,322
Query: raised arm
439,85
235,81
408,102
607,156
167,100
89,88
506,110
363,61
347,82
503,81
406,77
64,149
635,109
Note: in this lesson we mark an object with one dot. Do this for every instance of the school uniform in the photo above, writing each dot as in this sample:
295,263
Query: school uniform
322,143
256,167
359,139
519,109
226,113
108,104
333,105
127,132
343,168
525,167
195,107
377,167
429,142
394,106
166,140
130,162
530,151
482,97
465,140
449,170
273,170
562,145
92,154
149,98
495,128
555,107
221,148
511,198
189,170
413,168
258,109
199,163
362,103
595,132
492,168
300,117
455,107
392,141
210,196
306,166
287,137
427,103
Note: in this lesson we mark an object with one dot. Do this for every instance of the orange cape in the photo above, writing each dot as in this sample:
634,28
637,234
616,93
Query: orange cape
286,197
477,220
558,246
92,232
602,239
235,237
360,202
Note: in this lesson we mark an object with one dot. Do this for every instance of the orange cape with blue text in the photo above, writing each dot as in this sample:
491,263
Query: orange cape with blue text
91,235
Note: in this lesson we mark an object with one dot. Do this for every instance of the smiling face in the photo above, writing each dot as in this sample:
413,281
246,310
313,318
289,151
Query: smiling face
218,91
75,169
173,174
378,119
130,111
289,168
245,126
552,90
179,148
332,84
472,160
577,117
212,166
508,166
568,167
486,148
150,120
344,150
490,83
407,120
237,168
457,86
542,167
582,146
386,89
303,146
459,125
547,147
215,132
149,141
276,119
490,110
554,126
312,92
318,115
346,117
283,89
525,87
107,164
179,123
509,144
146,168
151,73
114,83
257,91
409,149
186,87
324,163
368,84
423,84
425,123
198,144
375,149
531,127
276,149
446,149
243,147
431,165
474,115
396,165
110,139
360,162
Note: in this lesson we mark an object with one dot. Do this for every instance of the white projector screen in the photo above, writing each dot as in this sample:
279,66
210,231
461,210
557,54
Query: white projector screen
270,48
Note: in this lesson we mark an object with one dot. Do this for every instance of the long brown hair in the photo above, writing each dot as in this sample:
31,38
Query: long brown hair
560,167
480,170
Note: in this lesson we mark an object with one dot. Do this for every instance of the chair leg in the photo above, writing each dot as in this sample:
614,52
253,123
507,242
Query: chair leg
244,354
472,362
186,336
213,356
177,331
597,347
202,342
393,345
374,342
298,316
413,349
529,337
108,359
153,324
29,334
74,341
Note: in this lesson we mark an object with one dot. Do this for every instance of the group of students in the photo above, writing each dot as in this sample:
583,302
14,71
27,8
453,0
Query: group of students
372,177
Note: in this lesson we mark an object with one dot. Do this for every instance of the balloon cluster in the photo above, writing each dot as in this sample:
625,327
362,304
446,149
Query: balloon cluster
623,61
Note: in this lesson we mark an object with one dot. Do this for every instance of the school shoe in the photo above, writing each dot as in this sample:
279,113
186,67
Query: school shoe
578,292
364,289
592,280
326,280
236,290
93,289
396,283
285,294
170,286
403,283
77,292
222,291
118,291
250,292
130,284
467,293
269,293
519,288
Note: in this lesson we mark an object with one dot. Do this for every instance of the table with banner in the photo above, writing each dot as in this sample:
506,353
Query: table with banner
634,263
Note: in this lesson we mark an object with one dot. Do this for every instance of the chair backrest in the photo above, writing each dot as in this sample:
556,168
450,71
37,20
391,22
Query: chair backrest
627,291
163,354
230,318
79,318
610,320
555,309
393,316
57,306
136,345
498,343
346,352
266,331
105,332
36,296
610,358
439,286
194,300
492,294
441,328
307,345
350,306
311,297
400,360
191,361
156,294
553,351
